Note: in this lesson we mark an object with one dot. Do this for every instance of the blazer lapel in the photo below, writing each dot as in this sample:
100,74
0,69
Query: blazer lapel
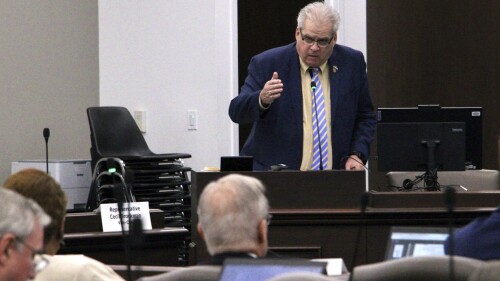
335,74
295,90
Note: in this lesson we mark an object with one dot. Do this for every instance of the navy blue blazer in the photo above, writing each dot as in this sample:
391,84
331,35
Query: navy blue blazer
480,239
277,133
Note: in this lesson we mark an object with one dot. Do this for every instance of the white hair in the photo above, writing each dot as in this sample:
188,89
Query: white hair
320,13
230,210
19,214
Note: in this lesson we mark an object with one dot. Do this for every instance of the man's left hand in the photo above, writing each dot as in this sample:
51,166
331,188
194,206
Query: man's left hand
354,164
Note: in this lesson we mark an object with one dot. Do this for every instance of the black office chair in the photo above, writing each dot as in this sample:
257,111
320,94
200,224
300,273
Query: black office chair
160,179
114,133
432,268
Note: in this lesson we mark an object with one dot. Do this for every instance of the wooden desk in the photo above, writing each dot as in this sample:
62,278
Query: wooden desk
314,217
91,221
161,246
434,199
332,233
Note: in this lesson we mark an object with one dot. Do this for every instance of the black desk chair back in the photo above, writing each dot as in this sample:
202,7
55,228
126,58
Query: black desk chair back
160,179
114,133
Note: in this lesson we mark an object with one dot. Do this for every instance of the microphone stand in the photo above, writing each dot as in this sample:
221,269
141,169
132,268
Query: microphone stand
136,235
365,198
120,197
46,135
450,203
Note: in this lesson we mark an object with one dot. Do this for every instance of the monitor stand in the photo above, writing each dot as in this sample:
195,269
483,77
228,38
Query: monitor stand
430,176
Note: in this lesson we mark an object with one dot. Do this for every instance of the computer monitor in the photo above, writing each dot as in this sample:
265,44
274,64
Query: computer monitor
248,269
471,116
421,146
413,241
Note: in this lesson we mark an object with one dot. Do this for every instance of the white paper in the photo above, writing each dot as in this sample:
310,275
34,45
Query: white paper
135,210
335,266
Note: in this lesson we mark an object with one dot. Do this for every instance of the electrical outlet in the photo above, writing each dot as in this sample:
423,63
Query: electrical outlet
140,119
192,119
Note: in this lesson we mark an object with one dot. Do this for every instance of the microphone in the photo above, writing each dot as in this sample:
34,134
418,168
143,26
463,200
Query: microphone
449,202
120,197
313,89
136,237
365,199
46,135
313,86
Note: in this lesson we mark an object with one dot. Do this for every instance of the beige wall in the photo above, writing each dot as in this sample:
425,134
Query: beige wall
49,75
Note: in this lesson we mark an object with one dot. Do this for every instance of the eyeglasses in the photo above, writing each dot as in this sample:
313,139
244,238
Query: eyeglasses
39,261
268,219
322,42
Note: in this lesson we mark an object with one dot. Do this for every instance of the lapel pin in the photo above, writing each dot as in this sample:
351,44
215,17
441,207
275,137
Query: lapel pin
334,69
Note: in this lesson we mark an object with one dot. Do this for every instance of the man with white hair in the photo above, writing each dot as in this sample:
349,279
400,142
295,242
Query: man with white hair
309,101
21,237
233,217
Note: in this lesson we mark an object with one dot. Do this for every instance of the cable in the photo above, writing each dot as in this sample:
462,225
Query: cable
429,179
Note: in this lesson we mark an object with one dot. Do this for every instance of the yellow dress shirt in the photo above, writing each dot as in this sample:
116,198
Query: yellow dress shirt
307,151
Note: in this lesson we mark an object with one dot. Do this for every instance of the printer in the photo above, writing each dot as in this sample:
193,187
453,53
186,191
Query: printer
74,176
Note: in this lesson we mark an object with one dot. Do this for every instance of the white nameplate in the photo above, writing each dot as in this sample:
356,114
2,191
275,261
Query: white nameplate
334,266
135,210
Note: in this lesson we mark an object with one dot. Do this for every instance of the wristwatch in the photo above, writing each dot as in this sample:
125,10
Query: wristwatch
359,154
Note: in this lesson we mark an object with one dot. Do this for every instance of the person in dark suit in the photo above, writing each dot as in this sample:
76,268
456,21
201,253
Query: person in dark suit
233,218
277,98
480,239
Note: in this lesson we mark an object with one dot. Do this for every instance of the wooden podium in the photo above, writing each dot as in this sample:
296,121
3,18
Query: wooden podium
298,190
316,214
291,195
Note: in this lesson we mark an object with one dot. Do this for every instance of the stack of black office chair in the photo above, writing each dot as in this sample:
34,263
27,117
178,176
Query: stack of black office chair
120,155
109,184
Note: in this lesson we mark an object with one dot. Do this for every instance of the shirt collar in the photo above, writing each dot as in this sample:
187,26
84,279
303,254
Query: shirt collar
304,67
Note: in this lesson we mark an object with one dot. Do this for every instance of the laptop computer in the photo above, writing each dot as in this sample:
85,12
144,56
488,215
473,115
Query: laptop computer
407,241
248,269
